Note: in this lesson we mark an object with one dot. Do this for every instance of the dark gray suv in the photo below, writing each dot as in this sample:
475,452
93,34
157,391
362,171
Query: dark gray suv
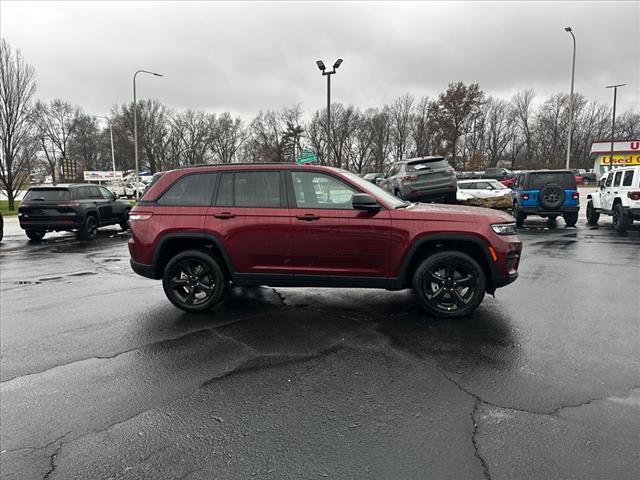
421,179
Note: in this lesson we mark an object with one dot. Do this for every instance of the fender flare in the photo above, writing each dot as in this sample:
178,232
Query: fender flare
205,238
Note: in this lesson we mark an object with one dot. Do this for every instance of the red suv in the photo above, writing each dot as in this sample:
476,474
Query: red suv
201,229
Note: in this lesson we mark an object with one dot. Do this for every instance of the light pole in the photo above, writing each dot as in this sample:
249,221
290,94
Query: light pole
113,156
322,68
613,122
573,70
135,124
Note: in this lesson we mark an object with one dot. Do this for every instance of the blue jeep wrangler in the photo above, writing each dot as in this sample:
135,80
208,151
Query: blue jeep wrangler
546,193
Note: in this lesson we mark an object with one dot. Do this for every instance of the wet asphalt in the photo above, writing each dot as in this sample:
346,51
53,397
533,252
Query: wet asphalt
103,378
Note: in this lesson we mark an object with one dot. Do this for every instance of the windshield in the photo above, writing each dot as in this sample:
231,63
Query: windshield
497,185
375,190
47,195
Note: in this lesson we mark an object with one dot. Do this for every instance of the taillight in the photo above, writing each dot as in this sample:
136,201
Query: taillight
410,178
575,195
140,216
633,195
525,196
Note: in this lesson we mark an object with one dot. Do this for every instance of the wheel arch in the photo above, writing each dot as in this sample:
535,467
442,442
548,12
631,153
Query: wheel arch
472,245
172,244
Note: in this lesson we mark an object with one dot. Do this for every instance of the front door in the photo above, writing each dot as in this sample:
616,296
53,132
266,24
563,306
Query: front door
252,219
330,238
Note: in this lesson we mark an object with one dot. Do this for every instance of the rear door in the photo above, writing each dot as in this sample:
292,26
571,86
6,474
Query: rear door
251,218
105,211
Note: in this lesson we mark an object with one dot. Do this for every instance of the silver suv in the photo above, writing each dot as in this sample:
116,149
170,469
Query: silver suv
420,179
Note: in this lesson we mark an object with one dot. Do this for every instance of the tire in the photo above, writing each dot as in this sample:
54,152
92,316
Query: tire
90,228
621,222
438,284
124,222
450,198
35,235
592,214
552,222
586,181
570,219
551,196
185,276
397,193
519,215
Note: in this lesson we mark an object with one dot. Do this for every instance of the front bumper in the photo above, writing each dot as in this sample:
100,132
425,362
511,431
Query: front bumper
504,280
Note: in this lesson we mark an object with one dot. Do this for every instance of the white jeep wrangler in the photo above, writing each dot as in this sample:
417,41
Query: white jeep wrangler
618,195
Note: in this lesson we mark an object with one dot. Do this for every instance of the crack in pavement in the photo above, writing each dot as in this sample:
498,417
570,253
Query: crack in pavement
474,440
280,296
52,462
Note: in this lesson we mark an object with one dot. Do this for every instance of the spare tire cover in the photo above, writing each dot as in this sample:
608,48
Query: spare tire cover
551,196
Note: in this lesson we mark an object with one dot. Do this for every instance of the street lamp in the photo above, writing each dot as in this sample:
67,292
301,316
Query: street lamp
573,70
135,124
613,122
324,71
113,157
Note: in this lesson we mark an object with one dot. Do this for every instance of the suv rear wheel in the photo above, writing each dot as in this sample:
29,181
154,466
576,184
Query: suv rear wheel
570,218
193,281
621,222
449,284
90,228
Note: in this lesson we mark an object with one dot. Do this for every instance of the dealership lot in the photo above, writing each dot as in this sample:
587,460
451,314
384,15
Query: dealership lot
103,378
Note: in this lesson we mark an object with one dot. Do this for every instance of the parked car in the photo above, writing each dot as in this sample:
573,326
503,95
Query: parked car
131,187
80,207
202,229
374,177
618,196
583,177
421,179
509,181
484,193
548,194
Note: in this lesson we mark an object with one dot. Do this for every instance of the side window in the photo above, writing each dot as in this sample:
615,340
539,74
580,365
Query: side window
190,190
106,194
317,190
225,190
94,192
81,193
616,182
628,178
609,180
257,189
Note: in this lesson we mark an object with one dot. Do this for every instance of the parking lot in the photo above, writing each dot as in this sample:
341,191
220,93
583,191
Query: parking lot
103,378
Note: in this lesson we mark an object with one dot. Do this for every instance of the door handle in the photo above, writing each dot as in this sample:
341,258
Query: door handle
309,217
224,215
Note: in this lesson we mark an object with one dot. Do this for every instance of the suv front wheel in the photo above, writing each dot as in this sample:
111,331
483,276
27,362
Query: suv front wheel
193,281
449,284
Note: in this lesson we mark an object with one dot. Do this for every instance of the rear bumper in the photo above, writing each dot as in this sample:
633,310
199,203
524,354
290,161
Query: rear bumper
537,210
48,225
143,270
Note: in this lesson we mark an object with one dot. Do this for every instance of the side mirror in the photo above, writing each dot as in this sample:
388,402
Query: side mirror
364,201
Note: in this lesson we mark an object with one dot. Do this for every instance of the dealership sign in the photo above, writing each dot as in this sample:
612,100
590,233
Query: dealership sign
102,176
618,147
619,159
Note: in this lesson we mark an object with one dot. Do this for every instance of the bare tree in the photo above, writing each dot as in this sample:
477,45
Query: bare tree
400,111
195,137
422,126
17,87
57,123
85,143
496,130
380,137
227,136
522,103
360,155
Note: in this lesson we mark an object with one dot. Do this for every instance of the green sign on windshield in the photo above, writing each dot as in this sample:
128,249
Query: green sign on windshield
307,156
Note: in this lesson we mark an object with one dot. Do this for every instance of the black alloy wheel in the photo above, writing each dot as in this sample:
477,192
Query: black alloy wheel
124,222
449,284
90,228
193,281
621,222
586,181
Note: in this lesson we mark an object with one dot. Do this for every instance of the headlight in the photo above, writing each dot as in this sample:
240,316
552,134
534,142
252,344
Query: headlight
504,228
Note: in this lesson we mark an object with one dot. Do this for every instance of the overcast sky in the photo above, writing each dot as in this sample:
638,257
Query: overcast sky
246,57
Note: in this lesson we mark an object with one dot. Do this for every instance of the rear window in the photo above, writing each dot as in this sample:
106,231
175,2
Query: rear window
563,179
47,195
190,190
628,178
426,164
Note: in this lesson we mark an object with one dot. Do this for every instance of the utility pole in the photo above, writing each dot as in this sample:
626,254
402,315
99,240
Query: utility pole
613,121
573,71
322,68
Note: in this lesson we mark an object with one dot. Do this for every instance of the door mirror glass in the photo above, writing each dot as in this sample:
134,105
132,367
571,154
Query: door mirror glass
364,201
